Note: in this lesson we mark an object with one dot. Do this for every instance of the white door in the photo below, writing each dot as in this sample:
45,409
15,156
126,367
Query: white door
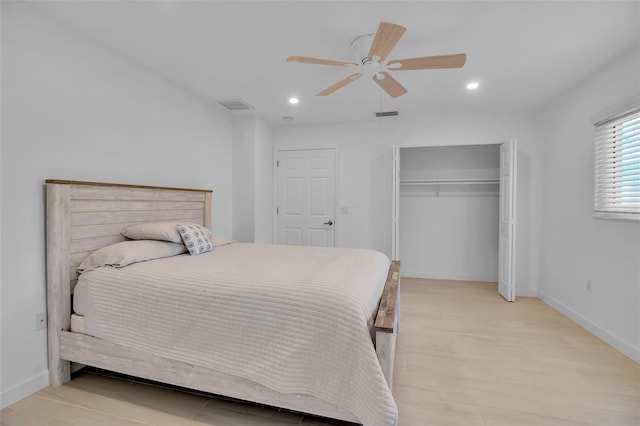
395,213
306,197
507,228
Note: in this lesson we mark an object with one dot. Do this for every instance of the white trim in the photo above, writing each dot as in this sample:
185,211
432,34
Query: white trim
25,388
633,217
447,276
395,202
274,214
612,339
613,111
531,292
514,218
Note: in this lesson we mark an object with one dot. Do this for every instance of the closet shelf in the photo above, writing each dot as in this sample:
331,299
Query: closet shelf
448,181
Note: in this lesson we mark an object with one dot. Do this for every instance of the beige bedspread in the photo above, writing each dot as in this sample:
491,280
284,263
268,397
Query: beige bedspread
295,319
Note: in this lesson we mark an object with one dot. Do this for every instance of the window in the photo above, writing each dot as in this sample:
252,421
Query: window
617,167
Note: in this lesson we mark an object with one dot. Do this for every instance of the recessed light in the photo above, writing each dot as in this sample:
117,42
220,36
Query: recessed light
473,85
293,101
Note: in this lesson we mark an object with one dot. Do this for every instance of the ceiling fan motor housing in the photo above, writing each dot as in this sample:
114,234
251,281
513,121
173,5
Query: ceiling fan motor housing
360,46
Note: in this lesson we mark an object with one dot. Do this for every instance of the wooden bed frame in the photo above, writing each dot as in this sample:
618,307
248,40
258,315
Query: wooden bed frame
85,216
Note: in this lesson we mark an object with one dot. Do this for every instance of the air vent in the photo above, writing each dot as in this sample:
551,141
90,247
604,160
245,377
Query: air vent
235,104
386,114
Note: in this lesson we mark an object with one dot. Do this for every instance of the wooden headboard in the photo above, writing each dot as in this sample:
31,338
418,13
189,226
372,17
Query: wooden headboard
85,216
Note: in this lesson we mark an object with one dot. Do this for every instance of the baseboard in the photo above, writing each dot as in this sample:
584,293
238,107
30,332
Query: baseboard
612,339
447,276
22,390
529,292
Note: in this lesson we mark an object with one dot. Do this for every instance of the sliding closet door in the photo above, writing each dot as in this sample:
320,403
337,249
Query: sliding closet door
507,244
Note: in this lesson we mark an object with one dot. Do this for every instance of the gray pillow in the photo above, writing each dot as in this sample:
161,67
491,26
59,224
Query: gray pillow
162,231
127,252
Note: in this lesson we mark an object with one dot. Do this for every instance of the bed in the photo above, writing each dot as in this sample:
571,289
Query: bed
85,216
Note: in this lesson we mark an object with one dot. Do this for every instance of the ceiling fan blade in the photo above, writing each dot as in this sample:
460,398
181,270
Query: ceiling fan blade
318,61
390,85
340,84
385,39
428,62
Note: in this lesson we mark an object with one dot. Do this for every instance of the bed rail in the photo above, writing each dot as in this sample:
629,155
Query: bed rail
387,321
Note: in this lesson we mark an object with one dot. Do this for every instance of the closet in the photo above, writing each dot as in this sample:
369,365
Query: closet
453,218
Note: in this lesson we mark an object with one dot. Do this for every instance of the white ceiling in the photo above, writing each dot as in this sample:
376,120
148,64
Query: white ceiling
523,53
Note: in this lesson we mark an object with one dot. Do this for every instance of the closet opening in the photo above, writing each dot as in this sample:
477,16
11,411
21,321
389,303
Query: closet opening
454,215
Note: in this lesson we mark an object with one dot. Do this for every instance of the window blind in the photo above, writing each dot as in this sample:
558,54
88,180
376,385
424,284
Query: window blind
617,167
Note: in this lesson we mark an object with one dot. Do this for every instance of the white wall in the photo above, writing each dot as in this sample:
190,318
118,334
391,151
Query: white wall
252,180
244,178
264,203
453,237
364,171
575,246
72,109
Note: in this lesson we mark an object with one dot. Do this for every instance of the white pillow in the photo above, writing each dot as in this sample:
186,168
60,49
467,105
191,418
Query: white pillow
127,252
219,240
195,238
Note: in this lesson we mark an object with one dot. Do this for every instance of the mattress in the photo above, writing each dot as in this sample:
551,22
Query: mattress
294,319
77,324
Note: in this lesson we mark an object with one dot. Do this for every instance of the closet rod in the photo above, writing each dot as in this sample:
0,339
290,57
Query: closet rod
448,181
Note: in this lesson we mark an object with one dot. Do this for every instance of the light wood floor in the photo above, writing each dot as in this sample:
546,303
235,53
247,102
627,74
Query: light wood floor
465,357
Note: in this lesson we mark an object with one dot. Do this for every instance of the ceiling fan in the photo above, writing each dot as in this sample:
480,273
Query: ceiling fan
374,63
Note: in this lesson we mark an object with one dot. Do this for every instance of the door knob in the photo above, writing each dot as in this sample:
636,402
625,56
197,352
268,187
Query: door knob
328,223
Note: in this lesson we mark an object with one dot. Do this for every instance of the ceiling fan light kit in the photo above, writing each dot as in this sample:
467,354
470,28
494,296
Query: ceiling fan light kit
371,52
360,47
